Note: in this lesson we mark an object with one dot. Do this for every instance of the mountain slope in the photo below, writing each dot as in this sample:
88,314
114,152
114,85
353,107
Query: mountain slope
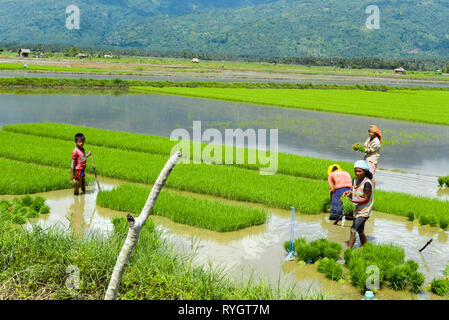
237,27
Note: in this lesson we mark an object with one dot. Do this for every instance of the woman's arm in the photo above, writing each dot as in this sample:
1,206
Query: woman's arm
372,146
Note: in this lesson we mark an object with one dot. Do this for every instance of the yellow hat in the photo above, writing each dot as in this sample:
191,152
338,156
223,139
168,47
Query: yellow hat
329,170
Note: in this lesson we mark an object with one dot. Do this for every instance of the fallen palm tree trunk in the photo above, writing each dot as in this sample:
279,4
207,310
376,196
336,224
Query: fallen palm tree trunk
135,225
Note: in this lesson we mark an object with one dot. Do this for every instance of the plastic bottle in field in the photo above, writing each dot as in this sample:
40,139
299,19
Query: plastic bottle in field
343,221
369,295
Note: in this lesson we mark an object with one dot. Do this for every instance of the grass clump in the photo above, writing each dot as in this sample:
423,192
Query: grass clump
389,260
33,265
440,287
330,268
443,181
204,213
18,210
315,250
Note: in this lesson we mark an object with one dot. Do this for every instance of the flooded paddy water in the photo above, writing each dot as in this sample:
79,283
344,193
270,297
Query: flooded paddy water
412,157
258,251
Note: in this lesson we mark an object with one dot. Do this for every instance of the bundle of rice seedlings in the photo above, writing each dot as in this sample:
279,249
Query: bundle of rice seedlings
440,286
330,268
357,147
416,280
411,216
4,205
27,200
398,276
38,203
348,205
315,250
44,209
31,213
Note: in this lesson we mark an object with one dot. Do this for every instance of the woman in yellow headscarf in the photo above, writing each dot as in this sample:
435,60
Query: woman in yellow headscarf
339,182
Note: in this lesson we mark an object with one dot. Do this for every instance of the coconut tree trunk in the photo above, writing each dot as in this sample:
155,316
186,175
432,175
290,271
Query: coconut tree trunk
135,225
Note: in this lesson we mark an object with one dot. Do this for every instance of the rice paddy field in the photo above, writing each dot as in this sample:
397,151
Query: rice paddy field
417,106
237,216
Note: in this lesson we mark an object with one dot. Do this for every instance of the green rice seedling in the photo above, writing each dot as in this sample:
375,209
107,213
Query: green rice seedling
424,219
44,209
38,202
446,270
440,286
18,220
397,277
411,216
444,223
203,213
6,216
287,164
415,280
443,181
330,268
348,205
230,182
27,200
31,213
357,147
416,106
315,250
22,178
4,205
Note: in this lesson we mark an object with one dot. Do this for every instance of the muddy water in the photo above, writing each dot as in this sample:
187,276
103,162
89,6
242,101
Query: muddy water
412,156
258,251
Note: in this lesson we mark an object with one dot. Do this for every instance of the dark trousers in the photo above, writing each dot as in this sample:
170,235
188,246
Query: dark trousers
336,206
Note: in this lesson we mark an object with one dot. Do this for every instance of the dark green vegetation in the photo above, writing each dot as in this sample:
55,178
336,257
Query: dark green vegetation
309,196
33,265
203,213
443,181
124,85
18,210
390,261
330,268
440,287
314,250
267,28
22,178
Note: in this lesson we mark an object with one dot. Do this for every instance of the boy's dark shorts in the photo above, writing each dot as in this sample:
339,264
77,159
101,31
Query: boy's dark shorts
359,224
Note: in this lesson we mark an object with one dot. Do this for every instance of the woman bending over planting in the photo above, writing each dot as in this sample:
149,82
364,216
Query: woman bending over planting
372,147
339,182
361,194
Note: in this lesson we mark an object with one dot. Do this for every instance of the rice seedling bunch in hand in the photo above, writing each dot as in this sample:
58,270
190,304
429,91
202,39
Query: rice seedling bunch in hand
358,147
348,205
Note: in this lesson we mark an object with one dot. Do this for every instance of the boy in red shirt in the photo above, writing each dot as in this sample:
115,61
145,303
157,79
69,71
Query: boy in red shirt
79,160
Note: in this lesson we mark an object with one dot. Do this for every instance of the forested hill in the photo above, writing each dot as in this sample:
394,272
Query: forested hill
282,28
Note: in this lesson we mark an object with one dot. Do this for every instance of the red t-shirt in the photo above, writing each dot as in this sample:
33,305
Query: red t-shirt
79,158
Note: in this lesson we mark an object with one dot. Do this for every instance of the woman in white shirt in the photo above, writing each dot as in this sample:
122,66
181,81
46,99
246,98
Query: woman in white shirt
372,149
